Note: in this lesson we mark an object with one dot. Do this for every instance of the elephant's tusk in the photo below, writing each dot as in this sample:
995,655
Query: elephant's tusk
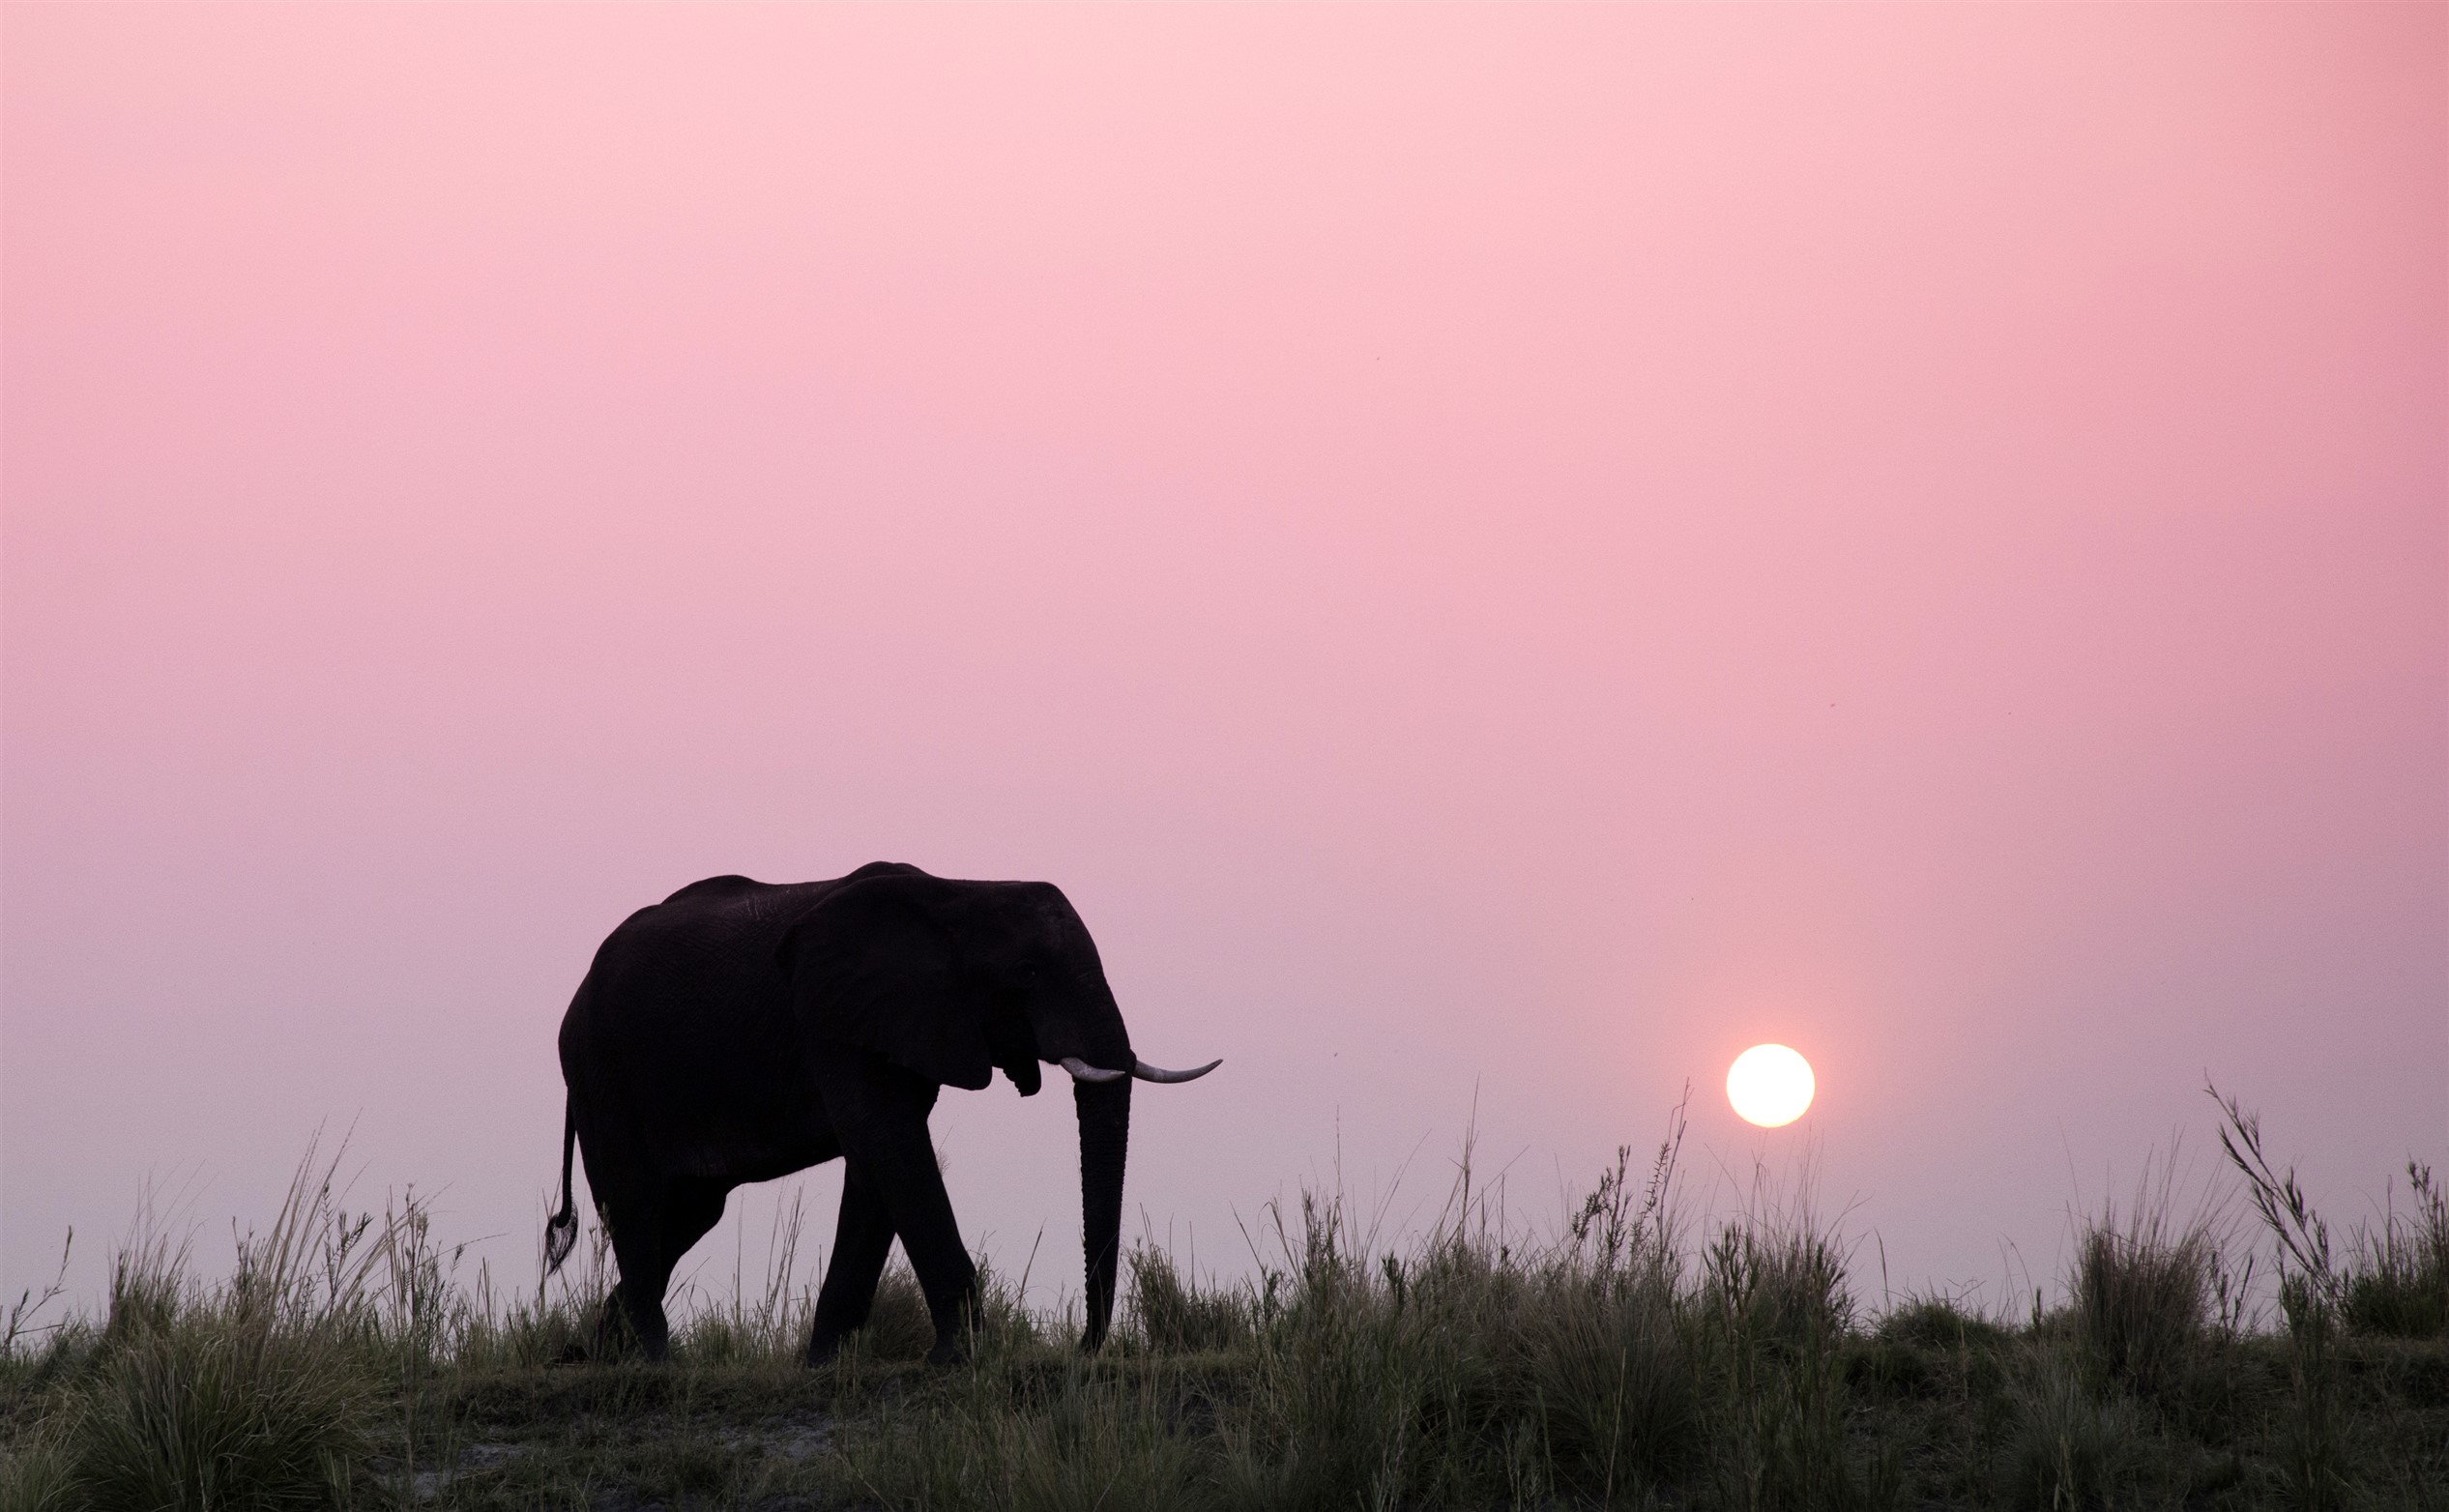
1082,1071
1158,1073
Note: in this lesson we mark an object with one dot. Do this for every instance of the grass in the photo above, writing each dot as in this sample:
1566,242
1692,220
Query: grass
2146,1287
2399,1285
1620,1361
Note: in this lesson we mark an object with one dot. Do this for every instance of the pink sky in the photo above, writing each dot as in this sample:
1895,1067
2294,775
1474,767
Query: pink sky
1501,553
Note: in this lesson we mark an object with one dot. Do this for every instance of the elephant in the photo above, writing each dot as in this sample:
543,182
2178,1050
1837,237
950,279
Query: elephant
740,1030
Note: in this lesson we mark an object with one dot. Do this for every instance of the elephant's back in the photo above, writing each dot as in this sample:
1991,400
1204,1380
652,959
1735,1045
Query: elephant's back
703,958
684,1025
728,917
712,942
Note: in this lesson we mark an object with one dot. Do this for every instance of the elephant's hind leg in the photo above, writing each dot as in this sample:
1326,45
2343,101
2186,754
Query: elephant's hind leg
862,1237
633,1314
650,1231
691,1208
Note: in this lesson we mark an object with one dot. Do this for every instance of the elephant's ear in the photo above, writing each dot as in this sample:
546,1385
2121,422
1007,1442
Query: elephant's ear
873,966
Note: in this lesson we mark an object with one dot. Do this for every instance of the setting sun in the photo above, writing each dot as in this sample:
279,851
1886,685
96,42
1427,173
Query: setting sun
1769,1085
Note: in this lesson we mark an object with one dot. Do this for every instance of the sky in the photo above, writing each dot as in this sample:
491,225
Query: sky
1498,556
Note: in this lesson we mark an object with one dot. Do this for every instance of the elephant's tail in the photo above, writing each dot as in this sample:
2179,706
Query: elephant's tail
561,1231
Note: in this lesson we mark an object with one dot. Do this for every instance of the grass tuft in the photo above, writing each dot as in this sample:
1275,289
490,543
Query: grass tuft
2398,1282
1079,1438
2070,1448
211,1412
899,1328
1777,1312
1940,1323
2145,1288
1175,1316
258,1394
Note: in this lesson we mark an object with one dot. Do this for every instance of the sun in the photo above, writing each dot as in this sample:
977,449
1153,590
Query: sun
1769,1085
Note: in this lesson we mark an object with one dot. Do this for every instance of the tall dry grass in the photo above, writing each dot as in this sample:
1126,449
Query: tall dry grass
260,1391
1632,1355
287,1383
2397,1281
1474,1364
2149,1283
2391,1283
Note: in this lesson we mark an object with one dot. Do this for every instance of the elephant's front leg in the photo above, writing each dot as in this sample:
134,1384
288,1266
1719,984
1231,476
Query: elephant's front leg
861,1238
880,1114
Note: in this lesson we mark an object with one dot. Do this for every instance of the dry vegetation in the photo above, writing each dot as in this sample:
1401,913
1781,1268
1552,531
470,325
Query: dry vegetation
1623,1362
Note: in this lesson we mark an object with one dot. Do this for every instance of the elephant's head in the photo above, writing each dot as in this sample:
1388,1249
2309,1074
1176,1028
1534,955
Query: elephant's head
955,980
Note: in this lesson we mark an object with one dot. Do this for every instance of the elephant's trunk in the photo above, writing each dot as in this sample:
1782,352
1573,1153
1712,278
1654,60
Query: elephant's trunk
1105,1132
